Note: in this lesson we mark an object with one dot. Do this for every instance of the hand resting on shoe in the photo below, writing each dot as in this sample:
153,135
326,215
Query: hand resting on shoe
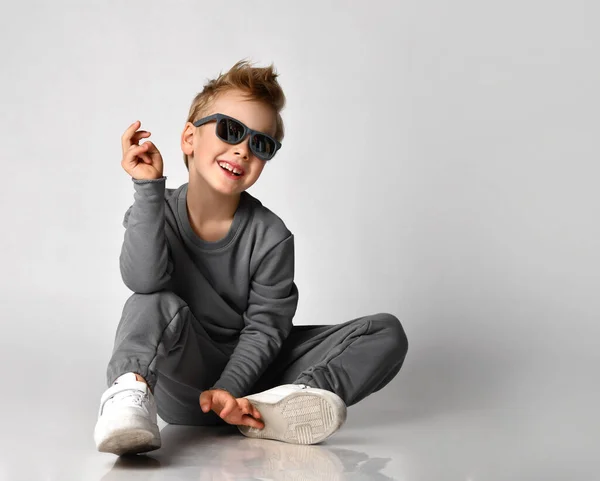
238,411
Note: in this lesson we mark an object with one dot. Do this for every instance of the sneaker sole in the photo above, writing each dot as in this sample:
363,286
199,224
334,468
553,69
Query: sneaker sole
131,435
299,418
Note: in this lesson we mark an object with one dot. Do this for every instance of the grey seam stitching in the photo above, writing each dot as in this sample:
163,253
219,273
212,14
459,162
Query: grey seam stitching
370,323
291,236
163,332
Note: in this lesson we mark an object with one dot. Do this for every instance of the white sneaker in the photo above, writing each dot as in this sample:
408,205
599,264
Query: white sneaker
298,414
127,421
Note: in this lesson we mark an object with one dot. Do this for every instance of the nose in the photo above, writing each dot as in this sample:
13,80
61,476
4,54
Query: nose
243,148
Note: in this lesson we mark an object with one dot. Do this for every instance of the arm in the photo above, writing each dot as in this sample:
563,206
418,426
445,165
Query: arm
272,303
144,260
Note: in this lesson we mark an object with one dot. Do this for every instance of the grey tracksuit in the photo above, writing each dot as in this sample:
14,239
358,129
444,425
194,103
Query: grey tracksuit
219,314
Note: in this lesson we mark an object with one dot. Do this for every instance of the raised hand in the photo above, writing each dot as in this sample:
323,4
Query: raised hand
142,162
233,410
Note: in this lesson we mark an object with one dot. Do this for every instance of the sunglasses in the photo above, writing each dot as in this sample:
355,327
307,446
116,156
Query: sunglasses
233,131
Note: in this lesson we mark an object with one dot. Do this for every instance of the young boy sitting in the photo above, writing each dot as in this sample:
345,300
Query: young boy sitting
207,337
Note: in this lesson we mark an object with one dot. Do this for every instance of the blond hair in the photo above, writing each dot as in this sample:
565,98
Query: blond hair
258,83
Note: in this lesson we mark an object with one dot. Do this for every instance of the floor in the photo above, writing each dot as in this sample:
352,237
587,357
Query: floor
541,429
459,410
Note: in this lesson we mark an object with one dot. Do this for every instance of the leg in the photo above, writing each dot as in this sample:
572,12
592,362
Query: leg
160,339
352,359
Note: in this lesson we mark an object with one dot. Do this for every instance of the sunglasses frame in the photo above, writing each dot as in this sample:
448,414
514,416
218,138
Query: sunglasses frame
247,131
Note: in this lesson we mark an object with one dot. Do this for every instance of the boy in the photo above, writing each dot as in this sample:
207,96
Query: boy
207,337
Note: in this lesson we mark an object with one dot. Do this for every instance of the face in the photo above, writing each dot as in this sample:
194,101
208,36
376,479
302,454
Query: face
205,150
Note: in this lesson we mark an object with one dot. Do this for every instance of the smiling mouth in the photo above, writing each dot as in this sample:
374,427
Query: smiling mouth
230,171
230,174
237,172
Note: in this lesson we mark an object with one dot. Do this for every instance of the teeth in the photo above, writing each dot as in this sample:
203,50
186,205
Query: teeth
230,169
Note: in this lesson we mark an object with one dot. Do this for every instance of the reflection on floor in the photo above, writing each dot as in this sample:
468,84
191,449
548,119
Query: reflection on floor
220,453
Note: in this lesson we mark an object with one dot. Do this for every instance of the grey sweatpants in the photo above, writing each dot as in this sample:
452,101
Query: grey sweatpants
159,338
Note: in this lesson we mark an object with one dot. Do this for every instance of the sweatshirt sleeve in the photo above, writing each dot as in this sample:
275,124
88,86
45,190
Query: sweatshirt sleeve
144,260
272,303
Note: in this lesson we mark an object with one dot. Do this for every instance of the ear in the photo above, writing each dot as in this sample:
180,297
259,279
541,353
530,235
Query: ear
187,139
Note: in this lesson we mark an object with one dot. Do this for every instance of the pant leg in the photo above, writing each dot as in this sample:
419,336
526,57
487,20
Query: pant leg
352,359
159,338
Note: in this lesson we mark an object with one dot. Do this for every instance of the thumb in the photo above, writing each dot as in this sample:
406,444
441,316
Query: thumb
152,149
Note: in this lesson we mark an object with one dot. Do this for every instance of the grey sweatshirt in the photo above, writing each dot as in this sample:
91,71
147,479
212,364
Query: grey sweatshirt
240,288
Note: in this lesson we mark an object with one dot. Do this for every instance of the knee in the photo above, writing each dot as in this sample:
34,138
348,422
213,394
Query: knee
394,332
156,301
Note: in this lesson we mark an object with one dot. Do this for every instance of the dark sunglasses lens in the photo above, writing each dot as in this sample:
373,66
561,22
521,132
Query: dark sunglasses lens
262,146
230,130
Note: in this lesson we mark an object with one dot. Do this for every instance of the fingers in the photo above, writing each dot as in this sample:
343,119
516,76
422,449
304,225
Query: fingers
245,406
135,138
146,151
140,161
128,134
135,152
131,137
151,155
206,401
248,408
150,148
253,423
239,411
230,405
251,416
